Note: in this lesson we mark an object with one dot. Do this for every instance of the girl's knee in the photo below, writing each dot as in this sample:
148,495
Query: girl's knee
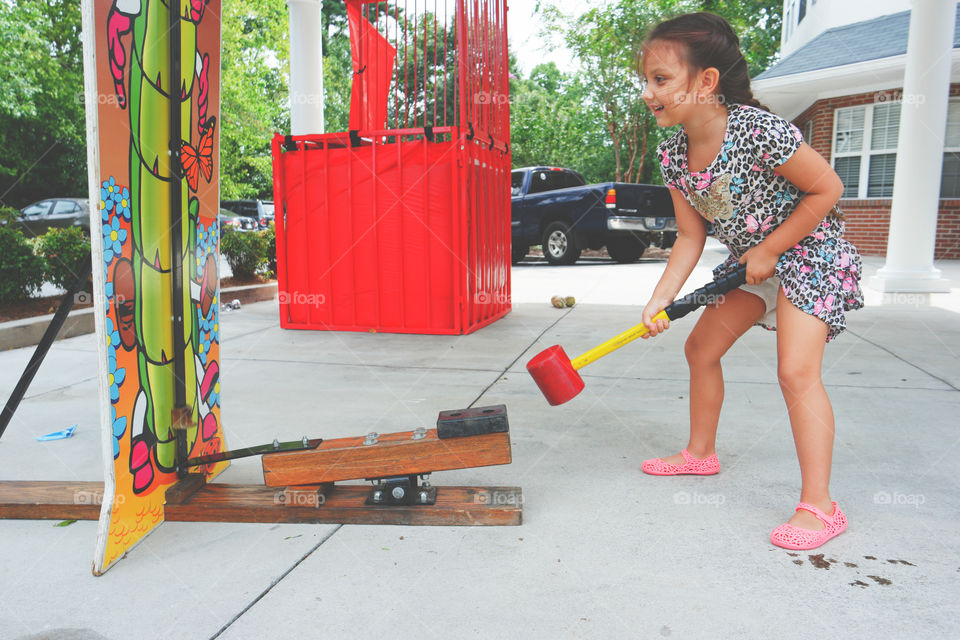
700,352
797,374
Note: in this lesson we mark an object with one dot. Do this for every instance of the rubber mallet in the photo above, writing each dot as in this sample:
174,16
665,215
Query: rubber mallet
557,375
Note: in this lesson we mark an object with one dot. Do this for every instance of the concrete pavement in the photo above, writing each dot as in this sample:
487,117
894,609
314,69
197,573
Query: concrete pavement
604,552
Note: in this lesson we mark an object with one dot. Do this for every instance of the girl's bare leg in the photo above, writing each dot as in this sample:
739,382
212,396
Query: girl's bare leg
800,342
719,327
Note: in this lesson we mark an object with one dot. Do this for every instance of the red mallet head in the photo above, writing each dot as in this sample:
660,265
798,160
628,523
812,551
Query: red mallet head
554,374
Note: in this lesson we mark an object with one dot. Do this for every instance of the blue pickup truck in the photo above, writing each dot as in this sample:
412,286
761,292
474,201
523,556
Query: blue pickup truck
555,208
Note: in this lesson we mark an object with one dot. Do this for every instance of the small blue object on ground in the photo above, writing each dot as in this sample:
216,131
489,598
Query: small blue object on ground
58,435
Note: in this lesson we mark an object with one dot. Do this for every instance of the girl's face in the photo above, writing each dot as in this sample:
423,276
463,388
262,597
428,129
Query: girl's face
669,89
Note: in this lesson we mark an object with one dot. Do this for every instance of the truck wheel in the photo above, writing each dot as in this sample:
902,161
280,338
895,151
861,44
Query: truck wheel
559,245
518,253
667,238
626,249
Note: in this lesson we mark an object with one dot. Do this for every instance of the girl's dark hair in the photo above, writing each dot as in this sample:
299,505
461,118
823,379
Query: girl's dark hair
709,41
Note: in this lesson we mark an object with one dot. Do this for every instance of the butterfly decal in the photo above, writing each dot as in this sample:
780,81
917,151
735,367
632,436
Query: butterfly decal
727,146
752,197
755,224
783,195
199,159
703,180
736,185
823,304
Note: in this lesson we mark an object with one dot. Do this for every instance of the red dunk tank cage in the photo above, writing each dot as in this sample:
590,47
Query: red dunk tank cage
402,223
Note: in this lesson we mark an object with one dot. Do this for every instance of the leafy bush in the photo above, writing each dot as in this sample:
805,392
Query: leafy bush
246,253
65,251
271,235
21,270
8,216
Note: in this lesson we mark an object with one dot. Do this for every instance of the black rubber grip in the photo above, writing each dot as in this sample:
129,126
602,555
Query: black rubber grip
707,294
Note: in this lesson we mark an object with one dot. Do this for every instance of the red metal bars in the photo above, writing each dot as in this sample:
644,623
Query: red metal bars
403,225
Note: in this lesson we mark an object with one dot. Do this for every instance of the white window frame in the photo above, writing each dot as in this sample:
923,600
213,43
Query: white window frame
946,149
865,152
864,164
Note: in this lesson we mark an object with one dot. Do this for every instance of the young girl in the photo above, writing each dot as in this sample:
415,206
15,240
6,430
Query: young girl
771,199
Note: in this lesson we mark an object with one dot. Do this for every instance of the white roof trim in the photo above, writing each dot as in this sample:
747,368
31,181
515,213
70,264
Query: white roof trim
791,95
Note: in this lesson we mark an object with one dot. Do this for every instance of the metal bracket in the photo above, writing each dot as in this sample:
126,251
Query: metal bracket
403,490
274,447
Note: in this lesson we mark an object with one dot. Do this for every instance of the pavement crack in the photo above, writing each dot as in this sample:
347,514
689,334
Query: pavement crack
275,583
517,359
904,360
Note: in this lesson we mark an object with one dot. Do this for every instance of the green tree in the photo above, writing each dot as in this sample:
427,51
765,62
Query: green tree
254,100
606,41
42,126
551,125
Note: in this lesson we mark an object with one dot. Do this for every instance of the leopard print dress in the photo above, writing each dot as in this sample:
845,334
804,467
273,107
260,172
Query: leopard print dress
744,197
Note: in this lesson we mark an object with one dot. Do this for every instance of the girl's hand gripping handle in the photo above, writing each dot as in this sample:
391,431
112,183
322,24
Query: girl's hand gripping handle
708,294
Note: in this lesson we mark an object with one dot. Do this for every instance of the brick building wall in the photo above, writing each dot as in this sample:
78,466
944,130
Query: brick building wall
868,221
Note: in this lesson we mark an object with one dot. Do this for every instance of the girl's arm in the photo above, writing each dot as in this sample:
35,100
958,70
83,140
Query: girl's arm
810,173
691,236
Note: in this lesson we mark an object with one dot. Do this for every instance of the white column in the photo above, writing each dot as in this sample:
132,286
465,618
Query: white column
923,123
306,67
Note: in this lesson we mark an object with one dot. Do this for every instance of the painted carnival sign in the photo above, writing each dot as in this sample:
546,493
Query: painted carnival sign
132,176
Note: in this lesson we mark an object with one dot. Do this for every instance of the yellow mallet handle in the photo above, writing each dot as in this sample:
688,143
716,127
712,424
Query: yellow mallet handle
615,342
707,294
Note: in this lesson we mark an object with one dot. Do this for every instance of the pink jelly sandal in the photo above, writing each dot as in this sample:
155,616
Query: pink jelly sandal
706,467
791,537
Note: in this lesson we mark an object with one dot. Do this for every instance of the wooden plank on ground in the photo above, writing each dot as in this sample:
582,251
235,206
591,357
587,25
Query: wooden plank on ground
217,502
394,454
346,505
51,500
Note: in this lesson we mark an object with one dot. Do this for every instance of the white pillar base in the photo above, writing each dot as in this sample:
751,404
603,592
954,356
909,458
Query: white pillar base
890,280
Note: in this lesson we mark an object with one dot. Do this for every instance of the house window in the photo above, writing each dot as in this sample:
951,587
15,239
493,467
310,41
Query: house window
950,180
847,148
865,150
801,11
883,149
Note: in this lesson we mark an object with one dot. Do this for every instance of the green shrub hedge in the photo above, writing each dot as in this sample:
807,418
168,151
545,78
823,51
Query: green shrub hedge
21,270
64,251
246,252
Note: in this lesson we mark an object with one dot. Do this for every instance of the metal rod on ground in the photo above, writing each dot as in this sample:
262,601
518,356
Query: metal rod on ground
66,304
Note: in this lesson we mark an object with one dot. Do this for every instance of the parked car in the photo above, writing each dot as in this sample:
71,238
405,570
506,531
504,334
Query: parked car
555,208
237,222
259,210
37,218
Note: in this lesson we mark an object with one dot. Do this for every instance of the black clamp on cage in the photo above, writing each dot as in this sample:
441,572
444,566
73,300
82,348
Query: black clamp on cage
289,144
428,133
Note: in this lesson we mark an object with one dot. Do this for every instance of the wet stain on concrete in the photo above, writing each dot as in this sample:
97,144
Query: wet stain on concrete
909,564
818,561
798,561
859,583
870,557
850,564
880,580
